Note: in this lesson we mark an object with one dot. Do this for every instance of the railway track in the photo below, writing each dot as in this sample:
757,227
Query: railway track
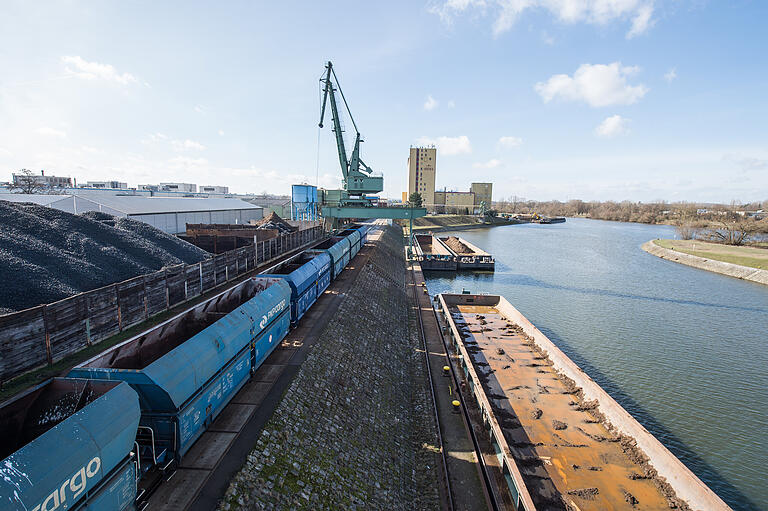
455,432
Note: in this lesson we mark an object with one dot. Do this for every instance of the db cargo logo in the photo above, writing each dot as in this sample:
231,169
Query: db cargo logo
275,310
76,485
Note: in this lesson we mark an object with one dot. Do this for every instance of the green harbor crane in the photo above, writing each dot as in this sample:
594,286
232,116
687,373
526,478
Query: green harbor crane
357,177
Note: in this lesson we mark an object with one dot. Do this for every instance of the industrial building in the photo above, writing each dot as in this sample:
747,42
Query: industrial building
179,187
42,180
106,185
422,165
214,189
483,193
168,214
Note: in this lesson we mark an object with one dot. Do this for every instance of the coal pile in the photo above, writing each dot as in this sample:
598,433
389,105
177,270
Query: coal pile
47,255
273,221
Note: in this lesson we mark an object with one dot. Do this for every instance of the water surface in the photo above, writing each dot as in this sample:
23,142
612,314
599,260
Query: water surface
682,349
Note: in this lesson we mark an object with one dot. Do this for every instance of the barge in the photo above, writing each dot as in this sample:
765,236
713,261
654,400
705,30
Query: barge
562,442
468,256
432,254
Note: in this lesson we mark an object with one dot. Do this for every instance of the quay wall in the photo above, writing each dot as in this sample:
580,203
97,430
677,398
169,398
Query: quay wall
729,269
685,483
46,334
354,429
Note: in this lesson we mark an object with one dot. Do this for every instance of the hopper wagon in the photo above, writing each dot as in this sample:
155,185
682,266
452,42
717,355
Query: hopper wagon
308,275
338,250
187,369
353,235
69,444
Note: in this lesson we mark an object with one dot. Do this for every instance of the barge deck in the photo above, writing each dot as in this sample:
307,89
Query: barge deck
468,256
433,255
564,443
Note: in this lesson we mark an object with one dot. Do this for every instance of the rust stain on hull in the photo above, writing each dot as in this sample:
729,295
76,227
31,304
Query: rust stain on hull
568,459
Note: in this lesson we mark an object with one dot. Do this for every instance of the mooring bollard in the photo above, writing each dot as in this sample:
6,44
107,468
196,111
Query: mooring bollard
456,404
446,370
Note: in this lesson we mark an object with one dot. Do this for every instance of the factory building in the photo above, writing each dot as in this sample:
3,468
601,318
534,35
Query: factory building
214,189
105,185
179,187
483,193
42,180
422,164
168,214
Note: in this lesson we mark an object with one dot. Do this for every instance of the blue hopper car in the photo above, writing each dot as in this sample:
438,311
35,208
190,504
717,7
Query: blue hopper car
186,370
67,444
353,235
308,275
338,249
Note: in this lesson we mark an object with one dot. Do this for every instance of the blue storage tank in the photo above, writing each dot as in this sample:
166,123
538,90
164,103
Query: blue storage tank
187,369
338,249
66,444
308,274
353,235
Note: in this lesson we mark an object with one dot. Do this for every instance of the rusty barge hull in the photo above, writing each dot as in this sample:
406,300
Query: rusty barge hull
468,256
433,255
562,441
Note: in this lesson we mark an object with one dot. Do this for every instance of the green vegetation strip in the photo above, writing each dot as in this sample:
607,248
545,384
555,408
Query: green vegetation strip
744,256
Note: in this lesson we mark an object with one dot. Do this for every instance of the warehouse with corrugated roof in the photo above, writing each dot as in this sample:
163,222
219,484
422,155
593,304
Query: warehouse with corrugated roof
168,214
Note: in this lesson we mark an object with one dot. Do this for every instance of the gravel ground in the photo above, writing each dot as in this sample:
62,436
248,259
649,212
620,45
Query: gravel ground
47,255
354,429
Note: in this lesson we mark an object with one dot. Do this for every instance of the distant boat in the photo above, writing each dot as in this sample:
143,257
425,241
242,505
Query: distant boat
552,220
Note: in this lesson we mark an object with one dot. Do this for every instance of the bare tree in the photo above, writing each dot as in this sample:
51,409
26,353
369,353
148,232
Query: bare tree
26,182
731,233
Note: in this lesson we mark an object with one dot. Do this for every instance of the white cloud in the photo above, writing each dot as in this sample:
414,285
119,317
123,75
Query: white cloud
451,103
596,84
155,137
511,141
596,12
490,164
448,145
200,109
95,71
5,152
187,145
670,75
221,133
547,39
51,132
613,126
186,162
747,163
431,103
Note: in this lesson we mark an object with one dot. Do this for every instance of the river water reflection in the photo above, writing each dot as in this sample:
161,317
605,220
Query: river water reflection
682,349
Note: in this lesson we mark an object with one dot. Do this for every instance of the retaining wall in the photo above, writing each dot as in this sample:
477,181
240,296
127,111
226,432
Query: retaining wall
729,269
45,334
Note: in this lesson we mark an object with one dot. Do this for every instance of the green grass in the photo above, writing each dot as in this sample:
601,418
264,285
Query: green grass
752,257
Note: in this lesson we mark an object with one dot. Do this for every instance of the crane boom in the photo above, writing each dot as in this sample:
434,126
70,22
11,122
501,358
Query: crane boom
357,176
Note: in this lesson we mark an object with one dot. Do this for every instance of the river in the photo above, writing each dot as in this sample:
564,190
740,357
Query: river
683,350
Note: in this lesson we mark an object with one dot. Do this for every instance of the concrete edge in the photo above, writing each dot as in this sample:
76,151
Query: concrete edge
686,484
731,270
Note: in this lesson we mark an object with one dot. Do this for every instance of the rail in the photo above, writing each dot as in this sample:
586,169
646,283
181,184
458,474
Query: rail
475,443
449,492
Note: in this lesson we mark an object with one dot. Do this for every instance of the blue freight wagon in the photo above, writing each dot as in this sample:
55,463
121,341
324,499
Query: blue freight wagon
363,230
186,370
353,235
67,444
338,250
308,275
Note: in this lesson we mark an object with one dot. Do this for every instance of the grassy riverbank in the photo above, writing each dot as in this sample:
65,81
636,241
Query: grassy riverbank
745,256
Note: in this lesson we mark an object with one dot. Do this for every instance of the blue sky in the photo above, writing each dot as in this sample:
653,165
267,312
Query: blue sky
590,99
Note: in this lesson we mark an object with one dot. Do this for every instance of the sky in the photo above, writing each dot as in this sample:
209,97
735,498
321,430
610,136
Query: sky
636,100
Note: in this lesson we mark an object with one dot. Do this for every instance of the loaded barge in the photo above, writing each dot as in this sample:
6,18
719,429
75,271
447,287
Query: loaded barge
468,256
432,254
561,441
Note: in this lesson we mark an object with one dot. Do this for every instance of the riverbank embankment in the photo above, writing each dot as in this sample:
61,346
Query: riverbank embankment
353,430
738,271
444,223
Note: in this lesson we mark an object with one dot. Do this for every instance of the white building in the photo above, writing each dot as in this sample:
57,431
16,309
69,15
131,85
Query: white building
179,187
113,185
168,214
214,189
43,180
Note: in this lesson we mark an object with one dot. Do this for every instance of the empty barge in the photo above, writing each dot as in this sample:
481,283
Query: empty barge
562,442
432,254
468,256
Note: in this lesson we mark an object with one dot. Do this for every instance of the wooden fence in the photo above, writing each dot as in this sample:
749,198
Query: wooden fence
45,334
